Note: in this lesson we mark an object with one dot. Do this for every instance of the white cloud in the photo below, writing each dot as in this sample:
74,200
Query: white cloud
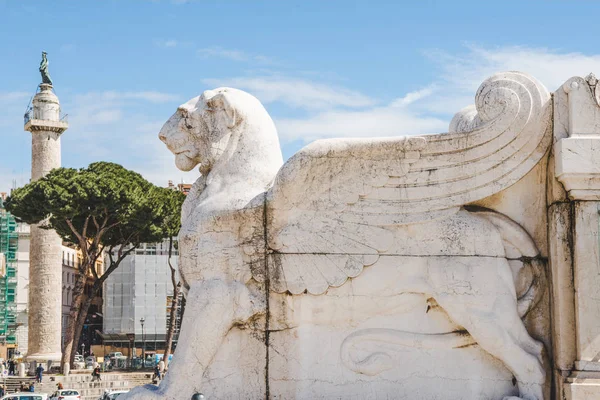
122,126
296,93
413,97
552,67
233,55
425,110
114,96
335,111
101,108
385,121
166,43
14,97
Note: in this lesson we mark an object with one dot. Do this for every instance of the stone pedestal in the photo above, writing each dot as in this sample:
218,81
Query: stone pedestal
45,273
576,224
22,370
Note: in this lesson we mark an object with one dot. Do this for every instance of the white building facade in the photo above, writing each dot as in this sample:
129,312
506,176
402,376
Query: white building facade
140,288
22,295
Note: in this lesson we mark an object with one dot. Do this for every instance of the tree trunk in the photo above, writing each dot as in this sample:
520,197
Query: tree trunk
174,305
68,354
85,306
172,320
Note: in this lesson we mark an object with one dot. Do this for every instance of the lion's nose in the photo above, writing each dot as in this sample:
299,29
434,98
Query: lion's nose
162,136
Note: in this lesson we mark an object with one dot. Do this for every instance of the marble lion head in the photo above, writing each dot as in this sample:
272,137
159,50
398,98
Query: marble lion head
200,131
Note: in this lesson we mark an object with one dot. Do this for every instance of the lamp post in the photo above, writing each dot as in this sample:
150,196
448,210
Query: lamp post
142,320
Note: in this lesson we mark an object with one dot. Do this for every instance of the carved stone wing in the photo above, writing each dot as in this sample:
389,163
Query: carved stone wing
331,204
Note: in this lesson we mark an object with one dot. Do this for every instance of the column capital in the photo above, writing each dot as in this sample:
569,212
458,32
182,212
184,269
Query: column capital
578,154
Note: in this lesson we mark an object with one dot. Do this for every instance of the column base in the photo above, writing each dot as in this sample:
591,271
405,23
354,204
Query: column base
43,357
582,386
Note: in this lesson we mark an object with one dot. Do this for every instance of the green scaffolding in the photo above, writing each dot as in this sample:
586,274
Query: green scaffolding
8,276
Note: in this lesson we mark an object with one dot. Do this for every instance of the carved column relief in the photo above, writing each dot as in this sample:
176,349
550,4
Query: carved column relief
45,274
574,229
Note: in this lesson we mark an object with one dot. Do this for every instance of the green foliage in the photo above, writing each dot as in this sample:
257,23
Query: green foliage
172,201
104,201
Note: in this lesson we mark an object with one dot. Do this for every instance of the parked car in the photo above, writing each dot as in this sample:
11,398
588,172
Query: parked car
112,395
26,396
66,394
116,360
116,355
90,361
79,362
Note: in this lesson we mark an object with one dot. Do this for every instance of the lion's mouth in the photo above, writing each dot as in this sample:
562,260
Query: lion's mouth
180,152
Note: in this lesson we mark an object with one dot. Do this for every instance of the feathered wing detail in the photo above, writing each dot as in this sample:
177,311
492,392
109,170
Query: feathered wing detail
331,204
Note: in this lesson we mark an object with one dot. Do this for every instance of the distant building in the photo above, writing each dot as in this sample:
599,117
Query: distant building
22,294
70,263
8,282
140,288
182,187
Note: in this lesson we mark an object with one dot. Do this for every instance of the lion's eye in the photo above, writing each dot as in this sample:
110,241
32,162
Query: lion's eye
183,124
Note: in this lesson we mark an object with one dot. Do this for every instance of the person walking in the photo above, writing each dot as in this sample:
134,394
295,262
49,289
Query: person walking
96,374
11,367
157,373
38,373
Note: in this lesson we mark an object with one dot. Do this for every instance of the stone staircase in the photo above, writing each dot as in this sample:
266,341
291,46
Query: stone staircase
13,383
89,390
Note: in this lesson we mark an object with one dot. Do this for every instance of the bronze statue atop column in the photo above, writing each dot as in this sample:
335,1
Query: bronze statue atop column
44,69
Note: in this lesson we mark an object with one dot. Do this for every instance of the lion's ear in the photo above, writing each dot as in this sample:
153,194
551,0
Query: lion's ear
221,104
184,112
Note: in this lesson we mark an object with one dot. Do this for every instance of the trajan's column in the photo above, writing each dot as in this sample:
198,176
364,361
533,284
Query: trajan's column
45,258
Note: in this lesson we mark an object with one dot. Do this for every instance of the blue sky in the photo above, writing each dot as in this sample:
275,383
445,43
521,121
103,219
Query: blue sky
322,68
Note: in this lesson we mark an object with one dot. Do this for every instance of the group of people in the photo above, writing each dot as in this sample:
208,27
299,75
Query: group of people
11,366
24,387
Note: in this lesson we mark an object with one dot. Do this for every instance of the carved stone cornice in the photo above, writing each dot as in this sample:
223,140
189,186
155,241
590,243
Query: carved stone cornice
39,125
578,155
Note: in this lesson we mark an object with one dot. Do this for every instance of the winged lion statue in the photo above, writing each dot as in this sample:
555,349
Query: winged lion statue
398,205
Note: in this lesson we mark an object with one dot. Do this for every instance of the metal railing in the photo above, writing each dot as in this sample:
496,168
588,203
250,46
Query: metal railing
28,115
